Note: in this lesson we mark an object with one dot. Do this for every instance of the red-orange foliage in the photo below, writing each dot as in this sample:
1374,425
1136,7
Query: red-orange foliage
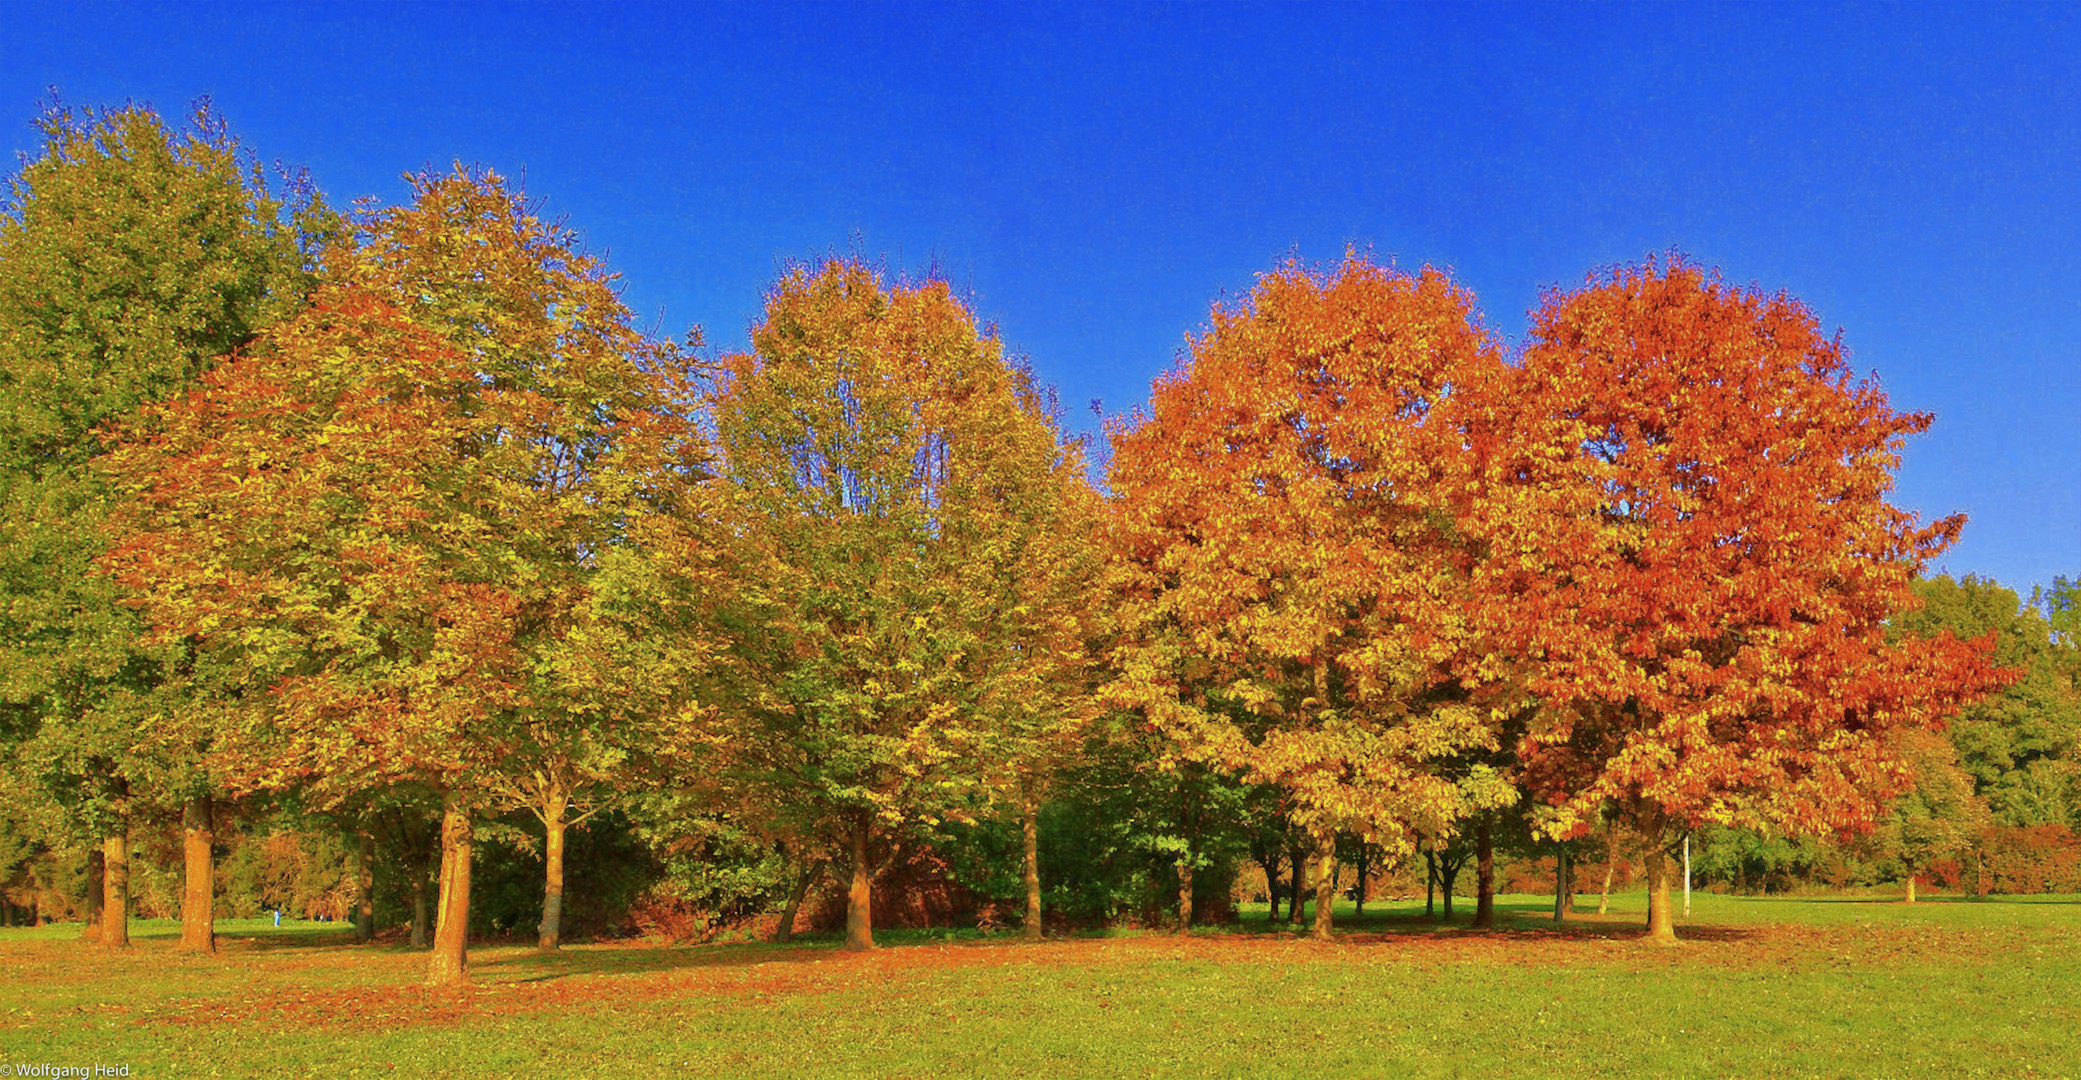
1295,592
1710,595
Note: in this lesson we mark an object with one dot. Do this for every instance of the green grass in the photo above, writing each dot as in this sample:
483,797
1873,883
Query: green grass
1762,987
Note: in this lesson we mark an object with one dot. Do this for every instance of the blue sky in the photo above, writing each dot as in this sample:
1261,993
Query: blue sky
1097,176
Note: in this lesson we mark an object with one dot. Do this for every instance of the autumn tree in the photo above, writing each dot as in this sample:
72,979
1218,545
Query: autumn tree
1723,561
132,255
893,497
382,515
1296,589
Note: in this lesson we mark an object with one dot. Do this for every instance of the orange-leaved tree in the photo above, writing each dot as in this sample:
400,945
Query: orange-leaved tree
1296,584
894,497
387,514
1712,581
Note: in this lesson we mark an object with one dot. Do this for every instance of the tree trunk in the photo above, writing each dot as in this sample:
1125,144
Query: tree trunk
450,963
859,900
115,891
1325,885
1604,897
1911,885
198,880
1185,893
1448,880
1430,884
554,808
1661,930
1484,874
1298,859
1364,868
1568,882
364,888
418,872
1271,863
97,876
1029,834
1560,884
785,932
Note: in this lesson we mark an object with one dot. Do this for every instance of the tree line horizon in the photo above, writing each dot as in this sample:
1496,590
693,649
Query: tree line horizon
394,513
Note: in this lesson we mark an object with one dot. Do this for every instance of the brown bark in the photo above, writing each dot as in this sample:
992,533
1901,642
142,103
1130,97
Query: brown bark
1484,874
785,932
419,930
1185,893
97,876
1561,888
1296,906
1029,833
364,888
198,879
1430,884
859,900
1365,868
449,964
554,808
1272,885
1661,929
1604,896
115,890
1325,885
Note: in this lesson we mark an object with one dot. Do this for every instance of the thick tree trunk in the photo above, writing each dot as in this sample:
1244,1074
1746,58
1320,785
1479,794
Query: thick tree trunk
364,888
1560,884
1448,880
1325,885
1911,885
115,892
97,877
450,963
1295,904
1029,835
1484,874
785,932
859,900
198,880
554,808
1604,895
1185,893
1567,882
1661,929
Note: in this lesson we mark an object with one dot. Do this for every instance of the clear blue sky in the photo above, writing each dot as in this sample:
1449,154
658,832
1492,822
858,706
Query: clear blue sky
1098,175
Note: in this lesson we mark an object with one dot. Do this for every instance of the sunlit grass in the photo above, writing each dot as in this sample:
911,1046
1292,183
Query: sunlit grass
1763,987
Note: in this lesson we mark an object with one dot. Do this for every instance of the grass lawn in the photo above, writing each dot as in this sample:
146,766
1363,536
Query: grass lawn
1761,988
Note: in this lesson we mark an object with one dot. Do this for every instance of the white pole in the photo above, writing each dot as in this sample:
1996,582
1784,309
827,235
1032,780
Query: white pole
1687,875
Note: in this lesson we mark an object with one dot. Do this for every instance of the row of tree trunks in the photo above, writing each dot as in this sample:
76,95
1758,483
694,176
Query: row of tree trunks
198,878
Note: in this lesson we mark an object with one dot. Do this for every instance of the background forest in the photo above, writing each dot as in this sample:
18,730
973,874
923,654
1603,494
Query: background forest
375,565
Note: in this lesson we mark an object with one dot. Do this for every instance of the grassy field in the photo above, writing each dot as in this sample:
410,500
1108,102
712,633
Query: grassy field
1761,988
